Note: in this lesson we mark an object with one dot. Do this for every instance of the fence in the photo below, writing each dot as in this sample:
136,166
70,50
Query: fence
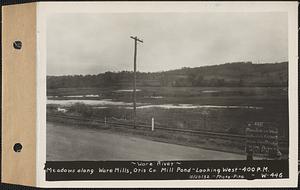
125,123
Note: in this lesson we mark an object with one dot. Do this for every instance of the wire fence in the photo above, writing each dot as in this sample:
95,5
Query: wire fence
116,122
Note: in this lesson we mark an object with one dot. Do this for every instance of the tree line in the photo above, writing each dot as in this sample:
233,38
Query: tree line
228,74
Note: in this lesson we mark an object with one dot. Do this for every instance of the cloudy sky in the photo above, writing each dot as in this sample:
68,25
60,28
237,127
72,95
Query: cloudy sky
95,43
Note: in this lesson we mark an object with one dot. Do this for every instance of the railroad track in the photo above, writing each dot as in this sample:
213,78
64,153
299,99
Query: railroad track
160,127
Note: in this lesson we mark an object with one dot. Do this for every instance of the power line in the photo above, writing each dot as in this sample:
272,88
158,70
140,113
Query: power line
136,40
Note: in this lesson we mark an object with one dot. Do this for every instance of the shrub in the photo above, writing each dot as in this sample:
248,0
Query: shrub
51,107
82,109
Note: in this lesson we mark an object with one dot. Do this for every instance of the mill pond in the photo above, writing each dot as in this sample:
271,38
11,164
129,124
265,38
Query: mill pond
221,109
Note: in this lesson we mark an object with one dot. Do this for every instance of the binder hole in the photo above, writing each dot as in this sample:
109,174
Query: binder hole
17,44
18,147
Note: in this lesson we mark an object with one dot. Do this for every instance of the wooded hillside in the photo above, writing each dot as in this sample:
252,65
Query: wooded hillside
229,74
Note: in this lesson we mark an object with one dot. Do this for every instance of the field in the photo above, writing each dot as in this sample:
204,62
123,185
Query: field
213,109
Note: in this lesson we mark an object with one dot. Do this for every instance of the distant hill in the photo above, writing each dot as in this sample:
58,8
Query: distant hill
229,74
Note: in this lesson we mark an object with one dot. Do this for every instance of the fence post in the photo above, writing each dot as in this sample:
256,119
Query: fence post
105,121
152,126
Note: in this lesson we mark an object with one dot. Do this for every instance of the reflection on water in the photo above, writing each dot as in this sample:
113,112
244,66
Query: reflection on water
76,96
89,102
100,107
91,96
209,91
110,102
192,106
127,90
156,97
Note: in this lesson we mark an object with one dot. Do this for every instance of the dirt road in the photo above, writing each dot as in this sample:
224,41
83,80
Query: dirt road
66,143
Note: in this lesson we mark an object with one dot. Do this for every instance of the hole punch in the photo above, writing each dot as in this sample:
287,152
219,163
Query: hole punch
17,44
18,147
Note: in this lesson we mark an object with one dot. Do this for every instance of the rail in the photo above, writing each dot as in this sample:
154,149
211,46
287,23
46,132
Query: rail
160,127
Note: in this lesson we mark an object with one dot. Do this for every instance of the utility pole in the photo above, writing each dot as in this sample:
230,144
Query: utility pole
136,40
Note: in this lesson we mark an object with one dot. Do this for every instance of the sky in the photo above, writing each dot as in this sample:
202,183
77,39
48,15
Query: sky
84,43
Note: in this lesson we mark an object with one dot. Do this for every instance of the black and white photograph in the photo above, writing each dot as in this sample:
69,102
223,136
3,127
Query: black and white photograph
167,86
186,89
150,94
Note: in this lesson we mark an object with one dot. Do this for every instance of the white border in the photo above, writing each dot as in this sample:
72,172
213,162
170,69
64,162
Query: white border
44,9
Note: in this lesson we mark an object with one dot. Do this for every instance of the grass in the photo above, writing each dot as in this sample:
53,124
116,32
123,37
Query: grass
162,136
273,100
